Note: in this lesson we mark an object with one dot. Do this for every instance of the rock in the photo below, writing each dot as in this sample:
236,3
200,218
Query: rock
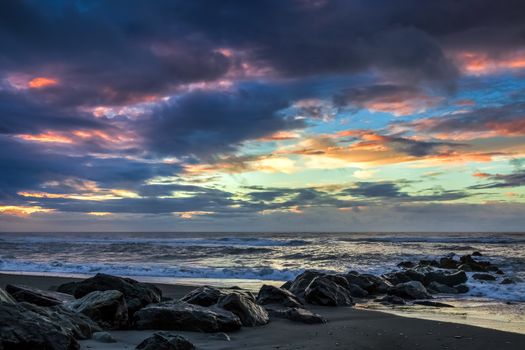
221,336
182,316
299,284
361,281
356,291
246,309
391,299
103,337
297,314
377,285
508,281
338,279
107,308
465,267
137,294
165,341
477,266
21,329
477,254
37,296
431,303
274,295
397,277
72,323
323,291
437,287
449,279
483,277
499,272
461,288
448,263
410,290
432,263
406,264
6,297
287,285
207,296
67,288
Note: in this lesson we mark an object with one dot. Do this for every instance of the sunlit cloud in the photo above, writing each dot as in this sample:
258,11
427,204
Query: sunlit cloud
51,137
22,210
42,82
191,214
99,213
481,63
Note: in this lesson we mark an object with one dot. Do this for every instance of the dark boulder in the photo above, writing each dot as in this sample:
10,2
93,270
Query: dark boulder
6,297
477,266
391,300
356,291
432,303
286,285
449,279
37,296
483,277
448,263
182,316
462,288
323,291
477,254
137,294
410,290
377,285
250,313
397,277
406,264
108,308
436,287
165,341
207,296
296,314
103,337
432,263
299,284
279,296
21,329
508,281
361,281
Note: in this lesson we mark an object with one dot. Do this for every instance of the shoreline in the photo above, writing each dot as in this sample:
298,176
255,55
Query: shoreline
411,316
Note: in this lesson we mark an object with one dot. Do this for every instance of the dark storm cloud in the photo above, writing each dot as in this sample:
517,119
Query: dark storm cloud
387,190
514,179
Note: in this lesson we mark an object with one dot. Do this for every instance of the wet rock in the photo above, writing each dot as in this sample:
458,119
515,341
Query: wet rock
437,287
323,291
431,303
186,317
299,284
21,329
462,288
246,309
362,281
37,296
356,291
477,266
221,336
137,294
72,323
274,295
397,277
432,263
6,297
465,267
477,254
377,285
287,285
406,264
103,337
449,279
448,263
508,281
108,308
483,277
296,314
165,341
207,296
499,272
410,290
391,300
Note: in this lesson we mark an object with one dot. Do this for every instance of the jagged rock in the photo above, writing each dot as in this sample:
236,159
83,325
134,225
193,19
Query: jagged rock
287,285
360,280
103,337
477,254
356,291
72,323
137,294
462,288
437,287
431,303
6,297
165,341
448,263
477,266
323,291
274,295
186,317
107,308
299,284
296,314
397,277
508,281
221,336
207,296
465,267
432,263
338,279
410,290
37,296
406,264
391,299
483,277
245,308
378,285
21,329
449,279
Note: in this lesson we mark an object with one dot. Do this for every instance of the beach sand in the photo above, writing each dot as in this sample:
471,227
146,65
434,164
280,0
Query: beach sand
347,328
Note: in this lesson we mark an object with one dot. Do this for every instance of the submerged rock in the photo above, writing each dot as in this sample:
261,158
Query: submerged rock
37,296
107,308
437,287
274,295
449,279
245,308
186,317
410,290
448,263
21,329
165,341
323,291
483,277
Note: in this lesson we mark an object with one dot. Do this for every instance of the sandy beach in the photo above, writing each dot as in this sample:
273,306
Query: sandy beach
347,328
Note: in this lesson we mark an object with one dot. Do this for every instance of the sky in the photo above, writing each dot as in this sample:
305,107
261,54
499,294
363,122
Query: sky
270,115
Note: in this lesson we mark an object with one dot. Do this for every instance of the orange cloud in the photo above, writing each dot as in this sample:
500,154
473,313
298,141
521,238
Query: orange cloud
191,214
41,82
281,136
480,174
20,210
46,137
481,63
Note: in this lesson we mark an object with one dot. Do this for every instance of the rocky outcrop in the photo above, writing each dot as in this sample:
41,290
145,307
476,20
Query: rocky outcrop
107,308
483,277
361,281
296,314
279,296
137,294
448,263
410,290
21,329
37,296
436,287
186,317
449,279
103,337
165,341
377,285
207,296
6,297
245,308
391,300
299,284
323,291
